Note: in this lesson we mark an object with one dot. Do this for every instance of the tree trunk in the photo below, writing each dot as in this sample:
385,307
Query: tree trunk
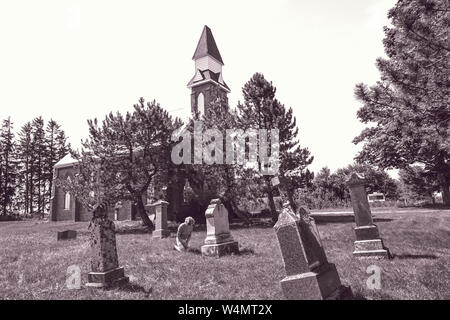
234,210
142,213
445,194
31,194
272,207
444,185
6,184
290,196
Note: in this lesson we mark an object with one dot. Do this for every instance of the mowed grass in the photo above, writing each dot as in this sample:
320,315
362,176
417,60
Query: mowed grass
33,265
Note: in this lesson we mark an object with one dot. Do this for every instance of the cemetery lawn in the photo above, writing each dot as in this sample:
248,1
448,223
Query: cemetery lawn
33,264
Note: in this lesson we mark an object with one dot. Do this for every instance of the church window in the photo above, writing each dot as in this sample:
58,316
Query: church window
67,201
201,103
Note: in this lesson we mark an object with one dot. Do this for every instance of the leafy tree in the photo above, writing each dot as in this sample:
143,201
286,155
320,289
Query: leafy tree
416,183
409,107
329,189
376,181
122,156
262,110
8,166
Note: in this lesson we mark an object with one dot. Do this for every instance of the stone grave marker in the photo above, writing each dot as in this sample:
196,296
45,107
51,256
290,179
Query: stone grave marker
66,235
218,241
309,275
105,270
161,228
368,241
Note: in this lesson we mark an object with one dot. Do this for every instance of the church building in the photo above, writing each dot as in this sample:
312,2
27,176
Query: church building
206,86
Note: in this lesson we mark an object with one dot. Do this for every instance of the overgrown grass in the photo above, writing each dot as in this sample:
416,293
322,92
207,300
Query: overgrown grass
33,264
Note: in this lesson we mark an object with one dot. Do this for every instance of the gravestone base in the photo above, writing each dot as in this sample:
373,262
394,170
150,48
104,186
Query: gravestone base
220,249
343,293
367,232
371,249
161,233
321,283
107,279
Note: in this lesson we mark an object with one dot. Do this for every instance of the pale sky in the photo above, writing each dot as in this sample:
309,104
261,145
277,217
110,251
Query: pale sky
73,60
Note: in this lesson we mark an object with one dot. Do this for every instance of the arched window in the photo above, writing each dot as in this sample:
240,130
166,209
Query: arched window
201,103
67,201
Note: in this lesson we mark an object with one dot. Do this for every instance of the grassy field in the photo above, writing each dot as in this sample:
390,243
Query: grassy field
33,264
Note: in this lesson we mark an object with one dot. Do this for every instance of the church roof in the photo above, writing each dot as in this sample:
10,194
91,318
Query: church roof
207,46
206,75
66,161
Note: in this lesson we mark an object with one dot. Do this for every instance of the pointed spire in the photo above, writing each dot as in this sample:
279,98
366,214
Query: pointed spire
207,46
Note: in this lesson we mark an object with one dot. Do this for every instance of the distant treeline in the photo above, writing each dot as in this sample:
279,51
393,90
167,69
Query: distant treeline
26,165
328,190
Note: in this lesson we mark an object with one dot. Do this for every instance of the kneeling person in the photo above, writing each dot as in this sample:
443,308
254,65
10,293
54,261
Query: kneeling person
184,234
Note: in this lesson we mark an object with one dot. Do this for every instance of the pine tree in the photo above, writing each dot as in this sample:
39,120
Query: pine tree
262,110
37,177
24,154
122,156
55,149
231,182
8,166
294,159
408,109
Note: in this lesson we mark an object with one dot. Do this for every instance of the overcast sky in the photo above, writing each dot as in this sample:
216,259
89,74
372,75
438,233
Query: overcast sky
73,60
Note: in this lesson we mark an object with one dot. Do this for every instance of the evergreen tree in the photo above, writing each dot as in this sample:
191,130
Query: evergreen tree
262,110
233,183
55,149
8,166
37,176
293,158
122,156
409,107
24,154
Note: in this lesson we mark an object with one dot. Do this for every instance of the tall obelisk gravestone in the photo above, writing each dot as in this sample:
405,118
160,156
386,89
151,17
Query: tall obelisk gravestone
309,276
368,242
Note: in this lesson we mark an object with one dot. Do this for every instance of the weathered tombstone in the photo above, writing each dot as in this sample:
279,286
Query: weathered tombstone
184,234
161,229
218,241
117,208
105,270
66,235
368,242
309,276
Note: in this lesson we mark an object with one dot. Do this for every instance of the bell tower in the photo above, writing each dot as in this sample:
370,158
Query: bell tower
207,84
